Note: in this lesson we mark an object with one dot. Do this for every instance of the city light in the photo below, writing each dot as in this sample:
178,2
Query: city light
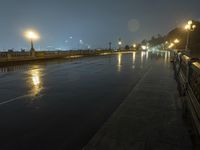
134,45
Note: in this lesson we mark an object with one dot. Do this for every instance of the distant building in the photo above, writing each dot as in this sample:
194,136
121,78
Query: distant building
10,50
22,50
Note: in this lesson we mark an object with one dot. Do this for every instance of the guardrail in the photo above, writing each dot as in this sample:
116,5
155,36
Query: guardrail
187,74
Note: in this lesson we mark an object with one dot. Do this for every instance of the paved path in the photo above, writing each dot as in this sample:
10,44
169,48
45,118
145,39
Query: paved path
148,119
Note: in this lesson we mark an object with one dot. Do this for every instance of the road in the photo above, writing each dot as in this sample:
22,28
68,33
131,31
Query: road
62,104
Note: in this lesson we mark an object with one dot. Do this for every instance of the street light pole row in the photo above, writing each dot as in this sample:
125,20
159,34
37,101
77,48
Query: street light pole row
172,44
189,27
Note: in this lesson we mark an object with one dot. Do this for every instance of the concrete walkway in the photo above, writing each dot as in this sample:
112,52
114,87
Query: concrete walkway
148,119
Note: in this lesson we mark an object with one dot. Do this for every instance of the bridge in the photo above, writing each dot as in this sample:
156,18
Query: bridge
132,100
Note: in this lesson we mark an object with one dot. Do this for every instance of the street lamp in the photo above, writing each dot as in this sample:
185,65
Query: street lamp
144,47
171,45
189,27
31,35
176,41
120,44
134,46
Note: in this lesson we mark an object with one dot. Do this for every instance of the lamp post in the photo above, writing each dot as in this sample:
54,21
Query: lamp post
32,48
120,43
134,46
189,27
31,35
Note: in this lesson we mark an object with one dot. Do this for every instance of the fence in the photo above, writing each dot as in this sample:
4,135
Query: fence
187,74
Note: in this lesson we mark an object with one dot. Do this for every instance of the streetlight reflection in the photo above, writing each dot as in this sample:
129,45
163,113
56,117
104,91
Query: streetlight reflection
142,57
119,62
147,55
166,57
134,56
35,81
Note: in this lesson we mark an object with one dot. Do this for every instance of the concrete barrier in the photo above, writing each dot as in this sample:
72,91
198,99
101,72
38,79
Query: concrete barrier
41,55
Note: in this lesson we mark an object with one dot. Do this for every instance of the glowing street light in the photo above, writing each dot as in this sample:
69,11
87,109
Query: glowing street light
134,46
31,35
120,43
189,27
144,47
176,41
171,45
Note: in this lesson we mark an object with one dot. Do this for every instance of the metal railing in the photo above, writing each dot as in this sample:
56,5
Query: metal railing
187,75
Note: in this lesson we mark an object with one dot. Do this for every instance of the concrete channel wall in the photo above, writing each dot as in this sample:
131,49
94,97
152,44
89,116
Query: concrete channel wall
39,55
187,74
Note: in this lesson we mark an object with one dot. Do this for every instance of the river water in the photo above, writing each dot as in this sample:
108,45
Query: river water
60,104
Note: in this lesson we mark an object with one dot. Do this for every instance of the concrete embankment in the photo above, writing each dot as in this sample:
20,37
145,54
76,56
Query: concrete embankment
7,58
10,58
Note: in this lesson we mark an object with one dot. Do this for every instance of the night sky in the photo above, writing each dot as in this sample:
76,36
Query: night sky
63,23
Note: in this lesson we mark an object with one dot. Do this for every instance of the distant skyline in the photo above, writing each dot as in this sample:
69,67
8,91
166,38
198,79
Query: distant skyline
73,24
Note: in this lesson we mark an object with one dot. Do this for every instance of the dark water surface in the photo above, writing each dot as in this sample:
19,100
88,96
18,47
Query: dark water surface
61,104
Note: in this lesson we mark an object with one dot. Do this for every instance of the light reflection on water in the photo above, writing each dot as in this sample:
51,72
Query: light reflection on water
142,59
35,80
167,57
134,57
147,55
119,65
134,60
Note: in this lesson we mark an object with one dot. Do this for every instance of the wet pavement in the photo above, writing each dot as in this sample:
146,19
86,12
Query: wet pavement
62,104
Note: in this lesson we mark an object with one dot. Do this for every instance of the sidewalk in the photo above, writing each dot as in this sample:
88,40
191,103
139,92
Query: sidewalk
148,119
